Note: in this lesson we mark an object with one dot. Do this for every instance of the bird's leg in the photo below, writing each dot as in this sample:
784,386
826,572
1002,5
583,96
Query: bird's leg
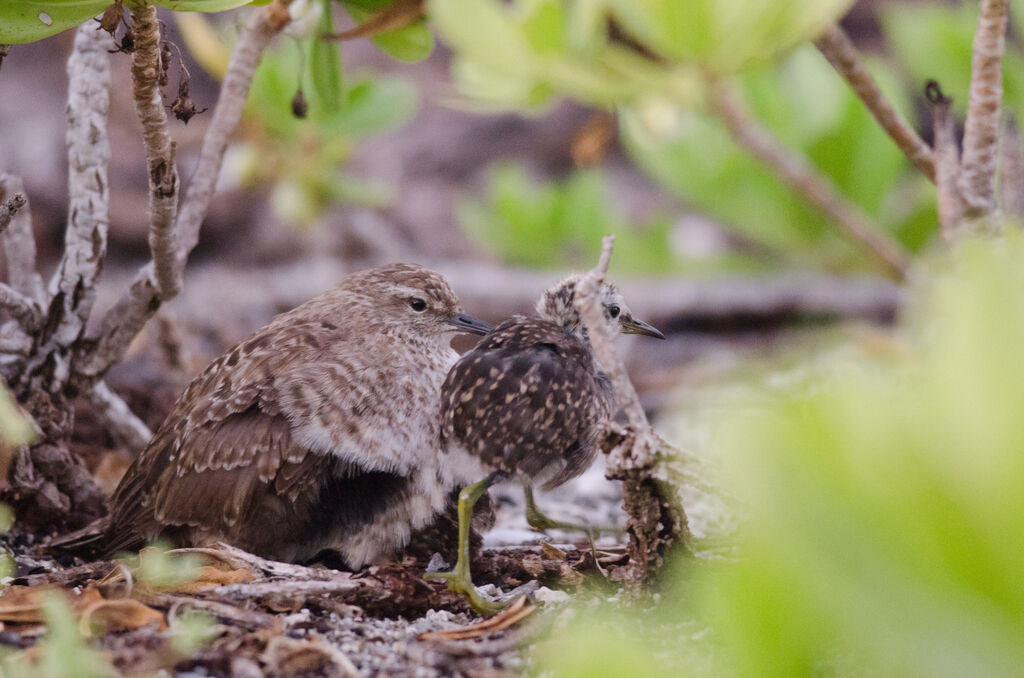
538,520
460,579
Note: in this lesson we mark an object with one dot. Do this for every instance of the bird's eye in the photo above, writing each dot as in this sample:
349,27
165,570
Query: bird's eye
417,305
614,310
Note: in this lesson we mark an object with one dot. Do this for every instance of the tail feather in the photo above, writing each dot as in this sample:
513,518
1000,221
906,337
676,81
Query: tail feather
87,542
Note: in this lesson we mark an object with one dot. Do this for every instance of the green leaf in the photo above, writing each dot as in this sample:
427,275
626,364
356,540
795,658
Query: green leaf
326,64
202,5
24,21
410,43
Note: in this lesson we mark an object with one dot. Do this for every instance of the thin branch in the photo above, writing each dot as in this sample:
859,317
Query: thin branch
947,157
261,28
163,175
589,307
1011,171
72,286
657,521
803,178
126,318
981,129
20,244
127,429
9,209
840,51
19,306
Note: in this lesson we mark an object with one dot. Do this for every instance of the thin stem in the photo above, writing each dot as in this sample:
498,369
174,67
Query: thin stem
806,180
163,175
947,159
19,242
9,208
124,426
840,51
981,129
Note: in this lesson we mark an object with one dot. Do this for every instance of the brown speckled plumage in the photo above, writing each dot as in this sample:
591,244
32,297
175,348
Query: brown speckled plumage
317,432
529,399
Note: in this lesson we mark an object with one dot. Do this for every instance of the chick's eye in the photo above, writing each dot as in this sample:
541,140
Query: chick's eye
417,305
614,310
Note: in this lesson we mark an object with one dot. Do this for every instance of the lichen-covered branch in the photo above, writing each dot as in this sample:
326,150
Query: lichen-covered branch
807,181
72,288
981,129
947,162
657,521
138,304
163,175
19,306
19,243
127,429
9,208
840,51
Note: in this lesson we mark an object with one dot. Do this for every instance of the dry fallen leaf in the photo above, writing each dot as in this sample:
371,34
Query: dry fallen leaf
123,614
519,610
24,604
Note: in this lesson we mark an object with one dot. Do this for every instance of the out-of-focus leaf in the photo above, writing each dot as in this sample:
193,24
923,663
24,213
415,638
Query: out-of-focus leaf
935,42
15,427
413,42
203,43
196,5
326,64
810,109
24,21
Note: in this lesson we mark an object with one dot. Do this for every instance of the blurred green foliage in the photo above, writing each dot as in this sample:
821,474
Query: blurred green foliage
652,65
303,158
883,496
524,52
560,223
811,109
63,653
30,20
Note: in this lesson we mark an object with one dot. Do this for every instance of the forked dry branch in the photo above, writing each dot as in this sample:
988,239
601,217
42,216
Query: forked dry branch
47,356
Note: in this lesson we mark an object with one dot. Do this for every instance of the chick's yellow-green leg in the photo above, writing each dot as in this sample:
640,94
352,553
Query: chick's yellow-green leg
538,520
460,579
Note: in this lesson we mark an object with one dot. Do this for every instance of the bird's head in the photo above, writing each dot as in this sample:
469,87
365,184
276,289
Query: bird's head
557,305
408,298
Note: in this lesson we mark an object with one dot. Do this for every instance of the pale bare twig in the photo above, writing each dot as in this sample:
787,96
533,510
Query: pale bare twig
20,244
261,28
126,318
163,175
840,51
72,287
947,162
127,429
9,209
981,130
807,181
657,521
588,304
19,306
1011,171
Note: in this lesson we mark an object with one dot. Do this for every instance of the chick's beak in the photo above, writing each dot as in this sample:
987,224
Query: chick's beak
632,326
469,324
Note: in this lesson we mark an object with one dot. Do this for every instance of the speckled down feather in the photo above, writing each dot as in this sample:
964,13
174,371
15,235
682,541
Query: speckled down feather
527,401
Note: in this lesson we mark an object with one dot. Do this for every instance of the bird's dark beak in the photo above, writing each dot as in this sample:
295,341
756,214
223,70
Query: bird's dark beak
631,326
469,324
